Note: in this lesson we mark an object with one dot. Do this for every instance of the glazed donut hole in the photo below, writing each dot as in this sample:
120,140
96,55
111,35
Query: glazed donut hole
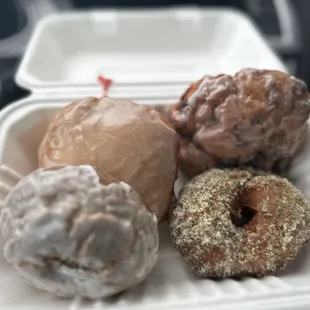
120,139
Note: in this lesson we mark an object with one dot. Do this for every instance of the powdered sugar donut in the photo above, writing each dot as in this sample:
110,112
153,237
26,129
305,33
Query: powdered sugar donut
68,234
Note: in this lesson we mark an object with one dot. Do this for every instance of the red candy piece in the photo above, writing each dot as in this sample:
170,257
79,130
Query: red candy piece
105,83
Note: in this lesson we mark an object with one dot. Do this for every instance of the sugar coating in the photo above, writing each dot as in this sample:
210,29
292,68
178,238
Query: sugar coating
213,246
66,233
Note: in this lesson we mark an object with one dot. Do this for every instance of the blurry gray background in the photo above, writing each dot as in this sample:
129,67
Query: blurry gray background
284,23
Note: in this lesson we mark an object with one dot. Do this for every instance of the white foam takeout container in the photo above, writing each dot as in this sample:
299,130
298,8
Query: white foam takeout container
156,52
61,64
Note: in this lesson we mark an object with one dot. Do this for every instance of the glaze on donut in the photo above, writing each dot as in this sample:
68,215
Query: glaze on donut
230,223
255,118
125,140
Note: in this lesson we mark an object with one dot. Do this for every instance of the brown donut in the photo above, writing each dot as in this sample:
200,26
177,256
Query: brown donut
230,223
255,118
122,140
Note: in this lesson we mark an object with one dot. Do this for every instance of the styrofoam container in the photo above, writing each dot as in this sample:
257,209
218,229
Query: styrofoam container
151,56
159,51
171,285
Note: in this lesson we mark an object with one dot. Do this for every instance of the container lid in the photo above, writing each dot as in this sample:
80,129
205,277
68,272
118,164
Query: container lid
154,49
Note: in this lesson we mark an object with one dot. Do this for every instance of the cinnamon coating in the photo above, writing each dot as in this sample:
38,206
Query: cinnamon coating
119,138
255,118
230,223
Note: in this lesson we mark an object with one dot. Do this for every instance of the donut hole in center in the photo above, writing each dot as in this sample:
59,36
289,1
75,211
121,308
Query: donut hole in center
241,212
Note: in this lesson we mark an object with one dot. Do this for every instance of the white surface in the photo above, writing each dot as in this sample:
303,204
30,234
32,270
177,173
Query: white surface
136,48
171,284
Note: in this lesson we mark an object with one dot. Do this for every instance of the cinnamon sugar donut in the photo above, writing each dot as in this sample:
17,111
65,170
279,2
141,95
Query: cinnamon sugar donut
230,223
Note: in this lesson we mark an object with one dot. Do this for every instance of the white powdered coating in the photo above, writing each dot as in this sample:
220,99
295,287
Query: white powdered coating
66,233
203,230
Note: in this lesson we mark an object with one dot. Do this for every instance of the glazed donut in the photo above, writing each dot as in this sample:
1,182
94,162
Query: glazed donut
230,223
256,118
125,140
